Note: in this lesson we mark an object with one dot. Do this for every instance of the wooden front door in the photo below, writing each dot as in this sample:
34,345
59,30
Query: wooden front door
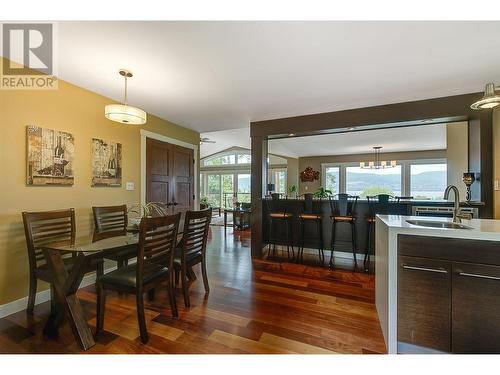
169,175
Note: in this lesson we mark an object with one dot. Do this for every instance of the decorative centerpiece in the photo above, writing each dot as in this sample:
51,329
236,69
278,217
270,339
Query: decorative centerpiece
149,209
468,179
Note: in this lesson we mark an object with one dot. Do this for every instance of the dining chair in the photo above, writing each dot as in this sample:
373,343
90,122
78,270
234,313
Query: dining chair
41,228
192,249
157,241
112,221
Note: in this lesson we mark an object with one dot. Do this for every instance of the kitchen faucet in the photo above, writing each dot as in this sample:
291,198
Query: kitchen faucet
457,215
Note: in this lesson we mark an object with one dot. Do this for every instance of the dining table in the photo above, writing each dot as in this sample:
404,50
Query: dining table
66,281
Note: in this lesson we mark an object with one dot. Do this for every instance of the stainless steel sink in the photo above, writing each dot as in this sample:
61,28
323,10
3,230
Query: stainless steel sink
438,224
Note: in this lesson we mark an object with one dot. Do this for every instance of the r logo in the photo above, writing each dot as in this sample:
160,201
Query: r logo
29,47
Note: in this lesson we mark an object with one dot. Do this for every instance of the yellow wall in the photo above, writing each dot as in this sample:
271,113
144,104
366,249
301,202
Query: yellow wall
81,113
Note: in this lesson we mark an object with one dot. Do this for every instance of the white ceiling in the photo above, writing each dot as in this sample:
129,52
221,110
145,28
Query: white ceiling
221,75
414,138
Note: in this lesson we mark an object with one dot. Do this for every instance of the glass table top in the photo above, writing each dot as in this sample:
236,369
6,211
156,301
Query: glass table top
85,244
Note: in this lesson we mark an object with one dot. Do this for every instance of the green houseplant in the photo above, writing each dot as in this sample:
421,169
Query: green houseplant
204,203
292,190
322,193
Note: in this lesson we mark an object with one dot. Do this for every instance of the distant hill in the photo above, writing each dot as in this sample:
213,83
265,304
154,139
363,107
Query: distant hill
429,181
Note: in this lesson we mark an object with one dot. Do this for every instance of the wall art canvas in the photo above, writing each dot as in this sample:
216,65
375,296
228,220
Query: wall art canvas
50,156
106,163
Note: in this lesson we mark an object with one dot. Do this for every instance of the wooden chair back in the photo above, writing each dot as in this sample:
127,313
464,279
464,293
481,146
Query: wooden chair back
195,235
41,228
109,221
157,242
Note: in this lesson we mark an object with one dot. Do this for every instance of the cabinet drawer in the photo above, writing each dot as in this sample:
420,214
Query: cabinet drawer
475,308
424,302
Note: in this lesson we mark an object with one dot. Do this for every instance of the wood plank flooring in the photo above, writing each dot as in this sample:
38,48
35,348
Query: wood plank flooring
255,306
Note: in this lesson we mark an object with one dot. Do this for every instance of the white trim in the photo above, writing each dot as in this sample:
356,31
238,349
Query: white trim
42,296
147,134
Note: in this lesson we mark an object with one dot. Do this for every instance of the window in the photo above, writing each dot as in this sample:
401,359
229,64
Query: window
220,160
244,187
428,181
278,178
332,179
214,190
368,182
244,159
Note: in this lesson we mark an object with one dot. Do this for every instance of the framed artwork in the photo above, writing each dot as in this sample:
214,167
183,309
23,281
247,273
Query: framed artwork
106,163
50,155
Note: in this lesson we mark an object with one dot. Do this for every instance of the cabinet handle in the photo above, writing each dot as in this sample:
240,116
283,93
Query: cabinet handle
438,270
460,273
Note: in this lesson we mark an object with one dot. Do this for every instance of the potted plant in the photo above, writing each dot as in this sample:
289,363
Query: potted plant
322,192
292,191
204,203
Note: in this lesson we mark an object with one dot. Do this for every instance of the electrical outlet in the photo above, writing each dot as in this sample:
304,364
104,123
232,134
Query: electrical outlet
130,186
495,185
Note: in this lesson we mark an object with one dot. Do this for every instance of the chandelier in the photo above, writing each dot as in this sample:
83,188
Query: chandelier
124,113
377,163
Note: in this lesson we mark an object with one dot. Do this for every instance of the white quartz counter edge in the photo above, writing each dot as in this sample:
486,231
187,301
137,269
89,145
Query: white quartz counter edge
483,229
386,266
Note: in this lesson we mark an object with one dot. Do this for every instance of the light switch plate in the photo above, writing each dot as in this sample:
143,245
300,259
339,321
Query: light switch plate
496,185
130,186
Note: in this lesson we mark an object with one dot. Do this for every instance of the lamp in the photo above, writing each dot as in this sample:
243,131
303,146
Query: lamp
490,98
468,179
377,163
124,113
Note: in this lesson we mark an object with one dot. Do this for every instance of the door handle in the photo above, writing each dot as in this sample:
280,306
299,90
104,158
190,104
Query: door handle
437,270
460,273
174,203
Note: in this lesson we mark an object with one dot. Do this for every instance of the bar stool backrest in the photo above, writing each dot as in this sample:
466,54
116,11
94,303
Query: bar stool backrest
343,204
312,206
380,204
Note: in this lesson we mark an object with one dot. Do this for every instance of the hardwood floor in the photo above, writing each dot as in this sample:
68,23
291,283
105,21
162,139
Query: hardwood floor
257,306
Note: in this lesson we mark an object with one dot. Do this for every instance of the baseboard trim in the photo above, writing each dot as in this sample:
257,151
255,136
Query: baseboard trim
42,296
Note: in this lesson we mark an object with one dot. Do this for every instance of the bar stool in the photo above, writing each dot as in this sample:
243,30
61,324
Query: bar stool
377,204
343,207
311,213
278,216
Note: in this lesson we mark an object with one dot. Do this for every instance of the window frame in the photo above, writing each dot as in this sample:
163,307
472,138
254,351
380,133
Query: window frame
405,172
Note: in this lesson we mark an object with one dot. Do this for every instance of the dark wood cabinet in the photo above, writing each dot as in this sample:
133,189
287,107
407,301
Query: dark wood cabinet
424,302
475,308
448,295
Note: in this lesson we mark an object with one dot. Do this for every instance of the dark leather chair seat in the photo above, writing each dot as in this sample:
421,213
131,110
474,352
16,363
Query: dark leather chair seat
282,215
342,218
130,252
189,257
126,276
43,272
310,216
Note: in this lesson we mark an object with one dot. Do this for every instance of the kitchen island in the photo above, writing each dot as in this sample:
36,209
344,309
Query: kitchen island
437,289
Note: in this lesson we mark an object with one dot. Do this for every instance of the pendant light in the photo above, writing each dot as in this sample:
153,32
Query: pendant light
377,163
124,113
489,100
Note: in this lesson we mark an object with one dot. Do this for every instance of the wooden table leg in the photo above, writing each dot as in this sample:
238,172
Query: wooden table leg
65,287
